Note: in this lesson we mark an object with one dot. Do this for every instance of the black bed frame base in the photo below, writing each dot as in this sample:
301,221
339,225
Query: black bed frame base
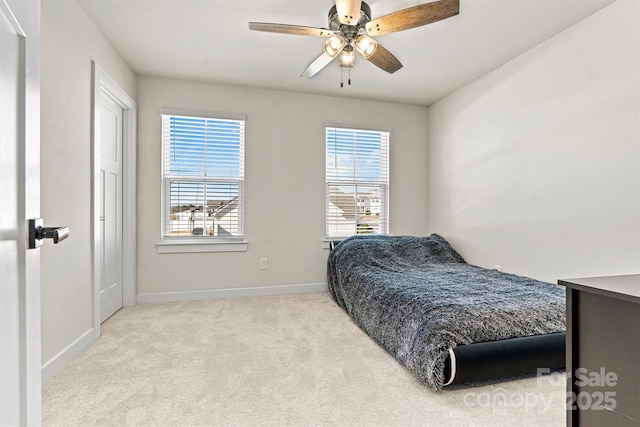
507,358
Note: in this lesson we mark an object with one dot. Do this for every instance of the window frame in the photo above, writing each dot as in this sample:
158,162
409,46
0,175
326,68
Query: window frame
200,243
382,184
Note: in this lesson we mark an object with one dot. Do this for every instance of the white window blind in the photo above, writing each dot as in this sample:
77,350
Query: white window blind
357,182
203,173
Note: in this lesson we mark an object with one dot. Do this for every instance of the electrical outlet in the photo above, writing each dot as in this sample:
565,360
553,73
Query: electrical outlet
264,263
498,267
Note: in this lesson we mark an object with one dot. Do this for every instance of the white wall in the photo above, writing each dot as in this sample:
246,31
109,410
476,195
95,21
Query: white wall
536,166
69,42
284,182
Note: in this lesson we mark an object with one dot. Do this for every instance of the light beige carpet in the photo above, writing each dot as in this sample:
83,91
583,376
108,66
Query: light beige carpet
284,360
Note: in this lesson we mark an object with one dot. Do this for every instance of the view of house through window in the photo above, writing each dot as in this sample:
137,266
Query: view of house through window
357,180
203,173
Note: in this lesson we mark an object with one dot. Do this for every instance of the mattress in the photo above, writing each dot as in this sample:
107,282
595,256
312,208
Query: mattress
419,300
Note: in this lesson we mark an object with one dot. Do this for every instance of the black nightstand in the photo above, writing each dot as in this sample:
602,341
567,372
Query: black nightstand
603,351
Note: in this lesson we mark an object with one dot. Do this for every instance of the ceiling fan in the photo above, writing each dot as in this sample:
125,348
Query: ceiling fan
351,28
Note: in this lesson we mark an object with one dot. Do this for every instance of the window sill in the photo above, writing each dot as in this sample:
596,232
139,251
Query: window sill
198,246
326,244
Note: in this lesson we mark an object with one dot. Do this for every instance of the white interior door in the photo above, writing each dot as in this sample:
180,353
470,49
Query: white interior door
20,384
111,128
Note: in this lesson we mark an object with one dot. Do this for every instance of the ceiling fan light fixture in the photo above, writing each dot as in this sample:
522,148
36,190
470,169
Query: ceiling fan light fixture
366,45
334,45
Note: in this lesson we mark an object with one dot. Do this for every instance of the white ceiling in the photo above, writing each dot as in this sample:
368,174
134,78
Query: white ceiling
209,40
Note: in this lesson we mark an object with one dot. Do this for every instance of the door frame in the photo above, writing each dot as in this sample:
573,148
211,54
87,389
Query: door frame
104,85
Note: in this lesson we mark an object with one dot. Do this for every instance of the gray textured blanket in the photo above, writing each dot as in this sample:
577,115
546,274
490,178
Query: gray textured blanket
416,297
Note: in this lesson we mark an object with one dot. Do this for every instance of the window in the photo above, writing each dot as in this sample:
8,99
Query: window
357,179
203,174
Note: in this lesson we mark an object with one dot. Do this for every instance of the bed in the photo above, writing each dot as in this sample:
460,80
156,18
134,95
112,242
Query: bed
446,321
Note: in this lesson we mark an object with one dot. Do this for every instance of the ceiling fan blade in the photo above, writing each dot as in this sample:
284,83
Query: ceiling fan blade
317,65
385,60
297,30
348,11
413,17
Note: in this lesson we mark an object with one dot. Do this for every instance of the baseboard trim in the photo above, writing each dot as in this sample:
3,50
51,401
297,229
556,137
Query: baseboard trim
164,297
60,360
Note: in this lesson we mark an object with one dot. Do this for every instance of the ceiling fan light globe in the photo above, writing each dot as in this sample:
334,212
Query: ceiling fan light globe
347,58
366,45
334,45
